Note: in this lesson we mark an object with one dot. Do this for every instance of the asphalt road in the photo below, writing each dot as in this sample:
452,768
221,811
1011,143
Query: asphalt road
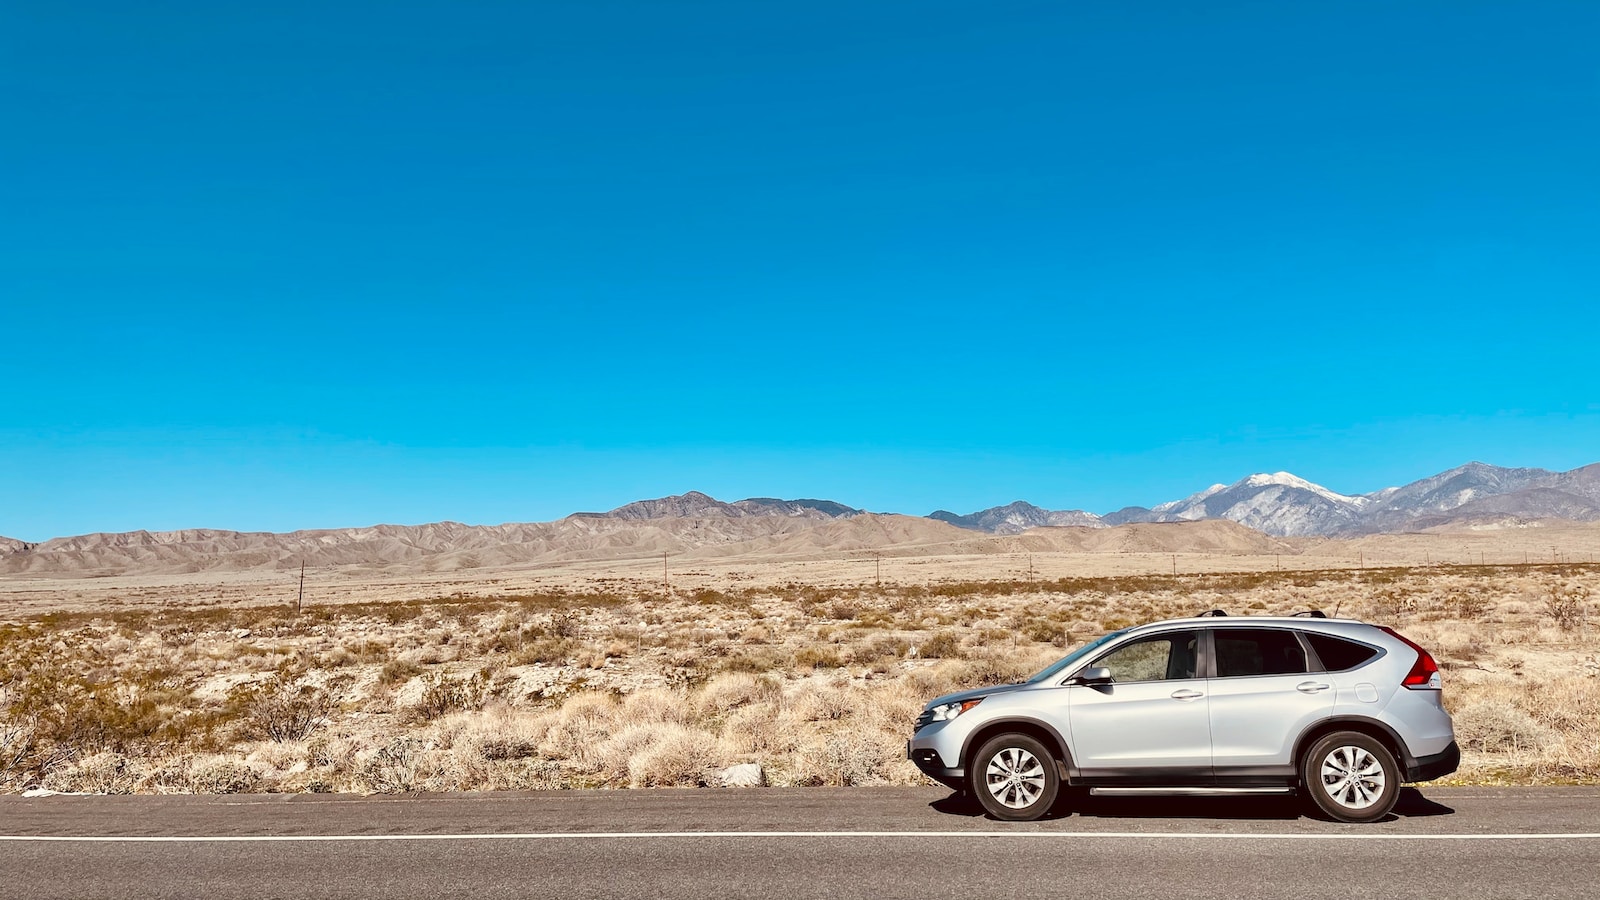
788,844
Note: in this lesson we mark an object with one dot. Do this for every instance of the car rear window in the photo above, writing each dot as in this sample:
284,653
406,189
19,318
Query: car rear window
1258,651
1338,654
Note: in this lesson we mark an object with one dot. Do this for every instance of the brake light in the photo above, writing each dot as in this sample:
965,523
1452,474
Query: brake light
1424,674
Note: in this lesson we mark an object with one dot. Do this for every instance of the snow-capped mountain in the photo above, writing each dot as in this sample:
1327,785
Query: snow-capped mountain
1286,505
1280,504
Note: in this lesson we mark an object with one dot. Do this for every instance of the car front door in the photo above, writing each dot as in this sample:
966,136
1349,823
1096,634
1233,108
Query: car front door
1150,723
1262,698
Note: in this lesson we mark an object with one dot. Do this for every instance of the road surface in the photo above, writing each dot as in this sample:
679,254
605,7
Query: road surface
795,843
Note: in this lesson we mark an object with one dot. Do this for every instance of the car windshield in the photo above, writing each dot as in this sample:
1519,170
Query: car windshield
1071,659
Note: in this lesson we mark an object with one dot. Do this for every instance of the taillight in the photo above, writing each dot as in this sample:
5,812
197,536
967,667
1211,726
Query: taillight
1424,674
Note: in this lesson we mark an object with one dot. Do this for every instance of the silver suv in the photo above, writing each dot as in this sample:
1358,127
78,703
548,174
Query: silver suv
1340,710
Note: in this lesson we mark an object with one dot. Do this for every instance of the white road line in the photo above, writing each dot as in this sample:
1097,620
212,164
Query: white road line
646,835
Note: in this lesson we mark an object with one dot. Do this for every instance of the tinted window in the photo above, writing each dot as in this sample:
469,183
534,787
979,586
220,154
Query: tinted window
1338,654
1157,658
1258,651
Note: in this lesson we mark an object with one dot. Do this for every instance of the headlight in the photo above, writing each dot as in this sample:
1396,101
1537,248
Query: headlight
946,711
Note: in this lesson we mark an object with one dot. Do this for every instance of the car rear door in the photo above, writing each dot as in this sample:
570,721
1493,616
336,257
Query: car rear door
1263,696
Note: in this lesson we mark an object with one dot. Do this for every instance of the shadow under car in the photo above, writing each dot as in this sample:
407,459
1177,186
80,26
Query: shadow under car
1283,807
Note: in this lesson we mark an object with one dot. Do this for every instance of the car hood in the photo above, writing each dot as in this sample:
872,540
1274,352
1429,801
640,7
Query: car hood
974,694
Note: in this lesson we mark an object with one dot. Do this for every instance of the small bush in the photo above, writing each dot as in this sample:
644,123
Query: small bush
1046,631
943,645
16,746
817,658
392,769
676,757
753,663
727,692
1469,604
618,751
824,704
653,705
1393,604
500,747
1494,727
564,625
281,709
442,694
582,725
1568,606
102,773
548,650
1002,669
224,777
843,759
757,729
398,671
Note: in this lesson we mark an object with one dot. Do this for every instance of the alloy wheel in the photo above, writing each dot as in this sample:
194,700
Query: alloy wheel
1352,777
1015,777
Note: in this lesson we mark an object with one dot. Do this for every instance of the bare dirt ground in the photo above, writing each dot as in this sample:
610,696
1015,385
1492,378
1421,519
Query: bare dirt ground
613,673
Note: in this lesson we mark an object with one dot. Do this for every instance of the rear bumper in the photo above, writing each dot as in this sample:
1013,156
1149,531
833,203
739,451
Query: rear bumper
929,762
1427,768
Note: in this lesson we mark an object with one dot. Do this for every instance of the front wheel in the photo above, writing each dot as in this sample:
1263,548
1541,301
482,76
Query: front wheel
1351,777
1014,777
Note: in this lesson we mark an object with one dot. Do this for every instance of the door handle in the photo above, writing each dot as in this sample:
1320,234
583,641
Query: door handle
1310,687
1186,695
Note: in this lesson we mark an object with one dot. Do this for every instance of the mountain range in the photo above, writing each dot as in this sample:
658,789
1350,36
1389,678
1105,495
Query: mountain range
1278,505
1284,505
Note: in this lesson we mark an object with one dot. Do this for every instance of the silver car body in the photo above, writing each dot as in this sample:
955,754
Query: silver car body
1198,731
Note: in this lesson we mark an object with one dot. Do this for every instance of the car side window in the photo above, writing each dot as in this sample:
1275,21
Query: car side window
1258,651
1338,654
1162,657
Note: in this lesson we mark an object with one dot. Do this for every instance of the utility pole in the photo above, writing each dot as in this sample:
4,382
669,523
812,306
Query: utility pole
300,600
1030,566
1174,563
877,559
664,584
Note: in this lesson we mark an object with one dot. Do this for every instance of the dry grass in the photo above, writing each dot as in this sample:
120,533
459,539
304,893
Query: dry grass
643,688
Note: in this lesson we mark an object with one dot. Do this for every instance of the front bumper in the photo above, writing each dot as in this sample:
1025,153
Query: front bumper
1427,768
932,765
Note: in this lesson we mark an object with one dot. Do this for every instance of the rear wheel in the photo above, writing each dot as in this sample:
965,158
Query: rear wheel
1014,777
1351,777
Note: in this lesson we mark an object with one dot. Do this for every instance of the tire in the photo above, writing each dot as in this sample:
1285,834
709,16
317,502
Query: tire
1014,777
1351,777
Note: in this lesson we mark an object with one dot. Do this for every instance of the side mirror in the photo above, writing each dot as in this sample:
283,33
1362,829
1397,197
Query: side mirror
1094,675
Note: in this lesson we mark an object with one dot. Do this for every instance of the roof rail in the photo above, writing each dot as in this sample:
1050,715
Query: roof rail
1212,613
1310,614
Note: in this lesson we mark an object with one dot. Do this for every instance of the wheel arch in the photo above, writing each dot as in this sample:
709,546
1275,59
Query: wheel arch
1371,727
1042,731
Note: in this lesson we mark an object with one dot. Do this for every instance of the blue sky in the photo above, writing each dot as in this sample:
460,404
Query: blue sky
315,265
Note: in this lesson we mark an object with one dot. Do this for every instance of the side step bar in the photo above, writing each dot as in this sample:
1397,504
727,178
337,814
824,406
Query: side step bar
1185,791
